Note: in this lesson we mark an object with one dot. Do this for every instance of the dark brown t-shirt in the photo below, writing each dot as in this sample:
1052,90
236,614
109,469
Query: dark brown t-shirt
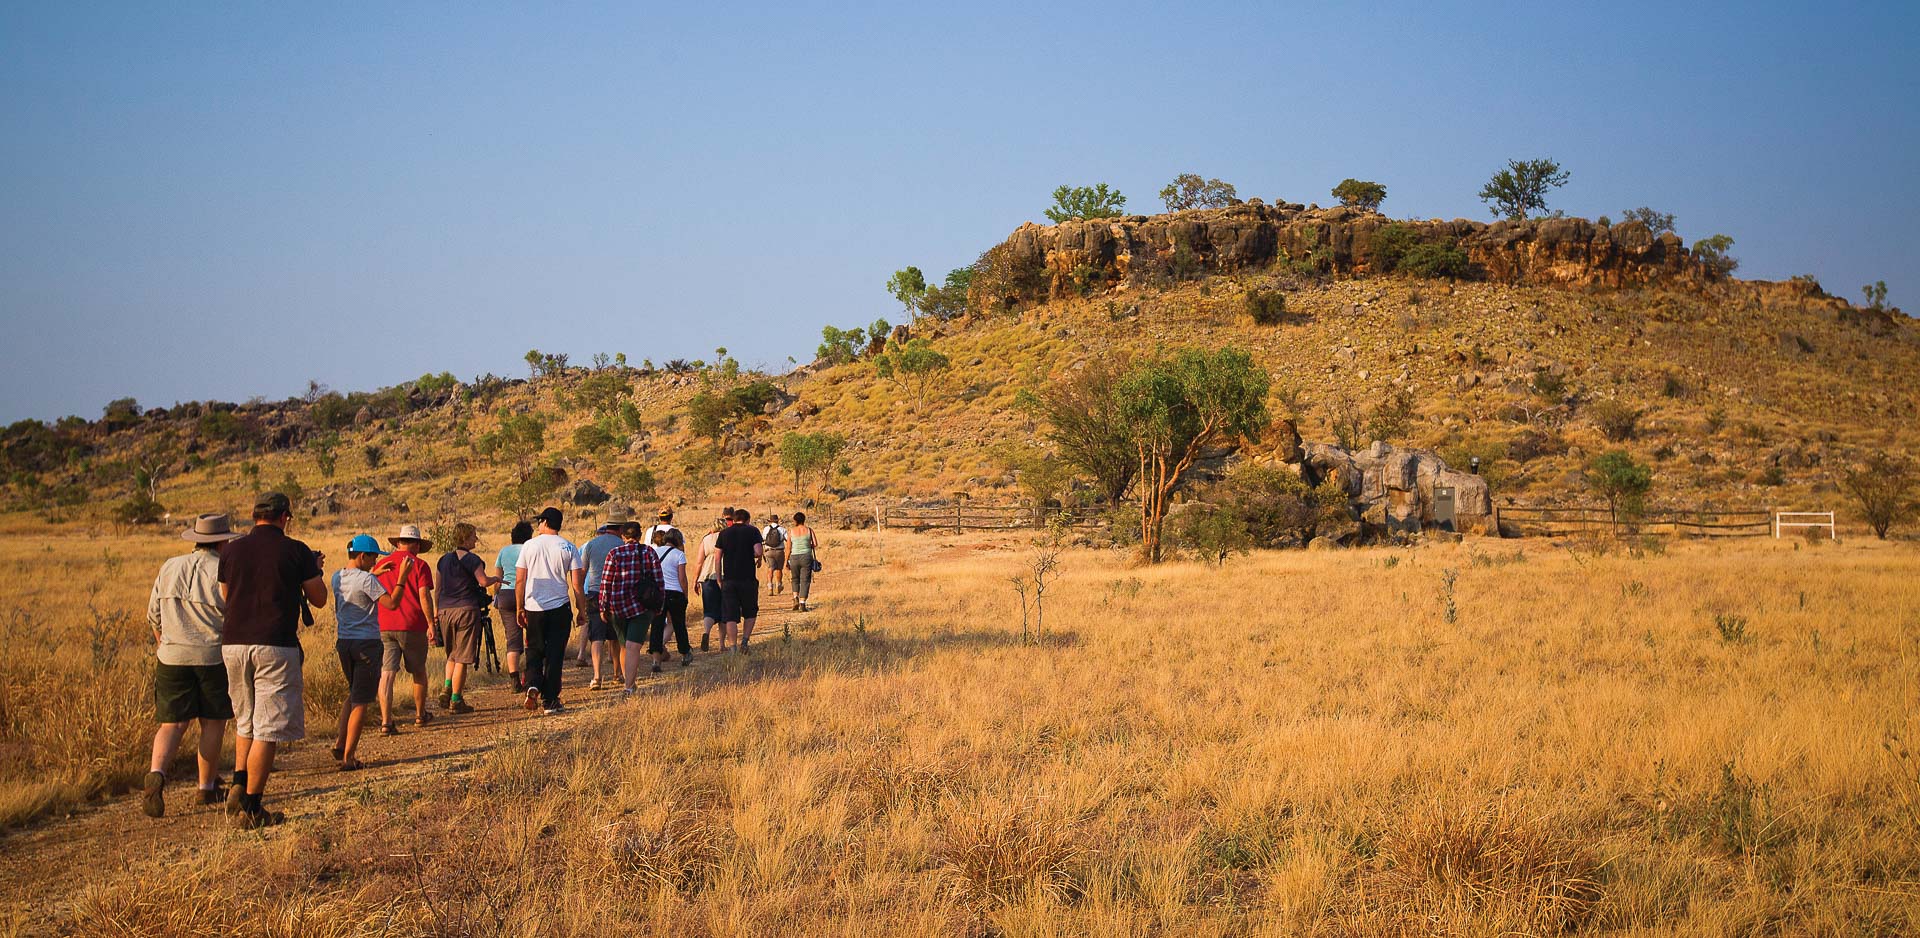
263,572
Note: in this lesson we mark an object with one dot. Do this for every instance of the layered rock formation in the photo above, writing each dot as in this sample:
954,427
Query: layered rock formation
1040,262
1393,487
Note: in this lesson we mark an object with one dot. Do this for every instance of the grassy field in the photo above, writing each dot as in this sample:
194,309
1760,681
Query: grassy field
1708,739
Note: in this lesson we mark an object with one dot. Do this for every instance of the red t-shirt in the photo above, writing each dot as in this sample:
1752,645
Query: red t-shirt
409,617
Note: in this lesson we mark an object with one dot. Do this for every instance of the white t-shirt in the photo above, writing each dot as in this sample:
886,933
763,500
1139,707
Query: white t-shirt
646,537
548,559
671,560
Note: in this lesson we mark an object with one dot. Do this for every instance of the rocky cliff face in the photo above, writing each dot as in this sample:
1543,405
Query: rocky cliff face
1040,262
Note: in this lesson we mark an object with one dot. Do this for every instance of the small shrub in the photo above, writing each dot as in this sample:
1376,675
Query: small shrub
1267,307
1435,260
1732,628
1615,419
1550,386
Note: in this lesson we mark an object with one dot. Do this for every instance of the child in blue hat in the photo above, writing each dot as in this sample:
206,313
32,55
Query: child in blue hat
357,639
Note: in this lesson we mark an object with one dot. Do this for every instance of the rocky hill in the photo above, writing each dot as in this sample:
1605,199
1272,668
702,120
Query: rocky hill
1531,345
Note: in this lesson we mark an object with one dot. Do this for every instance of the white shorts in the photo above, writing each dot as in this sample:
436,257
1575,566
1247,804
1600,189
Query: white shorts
267,688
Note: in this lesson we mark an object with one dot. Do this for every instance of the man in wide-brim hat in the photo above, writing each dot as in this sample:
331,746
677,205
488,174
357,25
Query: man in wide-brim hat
186,612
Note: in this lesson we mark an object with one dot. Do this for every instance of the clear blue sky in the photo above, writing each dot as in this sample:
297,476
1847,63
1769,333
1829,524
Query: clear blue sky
201,201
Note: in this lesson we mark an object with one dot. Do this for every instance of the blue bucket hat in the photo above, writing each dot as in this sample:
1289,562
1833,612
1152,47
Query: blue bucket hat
365,544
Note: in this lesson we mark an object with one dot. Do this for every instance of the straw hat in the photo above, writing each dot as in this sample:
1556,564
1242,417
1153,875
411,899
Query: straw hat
408,532
210,529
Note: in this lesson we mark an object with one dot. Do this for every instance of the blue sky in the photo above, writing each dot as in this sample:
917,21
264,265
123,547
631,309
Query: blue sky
201,201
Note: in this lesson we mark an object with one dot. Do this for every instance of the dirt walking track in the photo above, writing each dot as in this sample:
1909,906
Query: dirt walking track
44,864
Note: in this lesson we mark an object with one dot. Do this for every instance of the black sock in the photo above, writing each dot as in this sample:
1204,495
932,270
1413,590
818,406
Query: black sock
240,780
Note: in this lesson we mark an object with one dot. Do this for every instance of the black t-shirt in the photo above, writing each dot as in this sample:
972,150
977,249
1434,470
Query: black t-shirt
263,572
457,588
736,545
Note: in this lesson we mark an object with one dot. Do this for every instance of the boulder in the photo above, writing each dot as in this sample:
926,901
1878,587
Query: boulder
584,492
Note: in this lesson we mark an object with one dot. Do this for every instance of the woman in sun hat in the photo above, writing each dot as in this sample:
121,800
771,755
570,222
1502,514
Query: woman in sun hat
186,612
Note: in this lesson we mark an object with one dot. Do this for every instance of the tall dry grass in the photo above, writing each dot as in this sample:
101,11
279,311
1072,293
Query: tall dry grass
1297,744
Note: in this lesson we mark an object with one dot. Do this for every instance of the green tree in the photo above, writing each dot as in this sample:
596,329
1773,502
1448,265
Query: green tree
912,366
1622,482
1188,190
1522,187
1887,488
707,415
637,484
1713,253
1360,193
120,414
1656,222
1071,202
907,285
840,346
1086,424
518,439
1176,407
1876,293
803,453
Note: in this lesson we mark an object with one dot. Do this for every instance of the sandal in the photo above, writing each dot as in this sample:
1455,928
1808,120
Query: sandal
351,765
339,753
388,729
423,719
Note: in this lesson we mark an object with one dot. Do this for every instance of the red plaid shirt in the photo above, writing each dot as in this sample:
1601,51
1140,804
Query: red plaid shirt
628,567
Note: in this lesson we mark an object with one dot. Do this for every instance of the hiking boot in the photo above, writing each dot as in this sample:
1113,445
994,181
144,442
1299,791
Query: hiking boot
446,696
256,819
237,794
461,706
703,642
153,798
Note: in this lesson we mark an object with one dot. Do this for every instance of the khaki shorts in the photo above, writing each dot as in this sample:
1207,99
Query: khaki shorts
403,651
460,632
265,685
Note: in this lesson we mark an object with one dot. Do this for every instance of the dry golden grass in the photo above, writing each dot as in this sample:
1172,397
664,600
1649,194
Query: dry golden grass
1297,744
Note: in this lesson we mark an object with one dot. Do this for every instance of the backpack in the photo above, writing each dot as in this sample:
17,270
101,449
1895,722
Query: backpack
652,597
774,538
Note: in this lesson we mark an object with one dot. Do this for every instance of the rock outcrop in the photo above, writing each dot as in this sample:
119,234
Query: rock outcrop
1392,487
1040,262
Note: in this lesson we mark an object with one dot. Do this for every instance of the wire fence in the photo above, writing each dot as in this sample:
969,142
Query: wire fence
965,516
1599,519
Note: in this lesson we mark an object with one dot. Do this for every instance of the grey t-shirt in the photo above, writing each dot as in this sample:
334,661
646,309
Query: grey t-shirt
355,596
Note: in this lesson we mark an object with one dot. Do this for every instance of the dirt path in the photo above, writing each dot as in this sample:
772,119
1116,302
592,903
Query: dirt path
46,863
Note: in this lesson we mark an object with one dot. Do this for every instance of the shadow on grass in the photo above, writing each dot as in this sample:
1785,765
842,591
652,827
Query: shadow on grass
860,652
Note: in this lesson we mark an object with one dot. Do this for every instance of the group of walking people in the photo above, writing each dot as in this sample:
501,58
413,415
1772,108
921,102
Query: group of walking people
225,618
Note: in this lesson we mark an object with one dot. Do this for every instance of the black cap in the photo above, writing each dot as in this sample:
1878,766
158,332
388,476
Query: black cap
272,504
549,517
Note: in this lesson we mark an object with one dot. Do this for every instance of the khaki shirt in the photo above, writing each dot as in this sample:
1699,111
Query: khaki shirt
187,609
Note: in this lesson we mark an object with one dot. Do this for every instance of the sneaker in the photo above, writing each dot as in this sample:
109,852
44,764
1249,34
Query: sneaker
686,661
557,707
626,693
656,668
446,696
461,706
533,699
703,642
153,799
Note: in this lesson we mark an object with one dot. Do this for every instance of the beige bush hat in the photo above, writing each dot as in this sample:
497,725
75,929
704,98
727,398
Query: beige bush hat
210,529
408,532
616,516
